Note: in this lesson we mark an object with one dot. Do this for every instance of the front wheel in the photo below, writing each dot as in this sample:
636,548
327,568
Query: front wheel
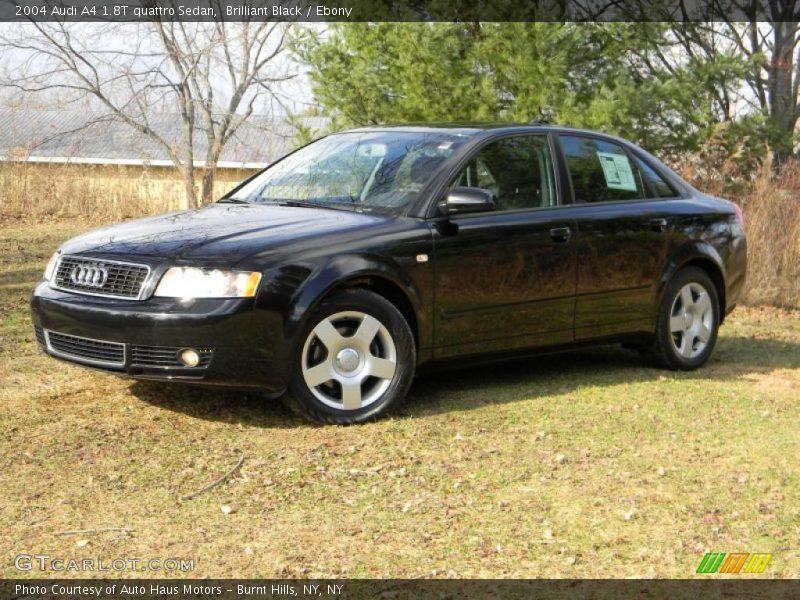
355,362
688,321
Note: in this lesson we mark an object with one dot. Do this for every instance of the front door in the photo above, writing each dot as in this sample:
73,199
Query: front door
505,279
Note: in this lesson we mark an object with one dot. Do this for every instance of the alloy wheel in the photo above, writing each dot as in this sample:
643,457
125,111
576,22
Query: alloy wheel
691,320
349,360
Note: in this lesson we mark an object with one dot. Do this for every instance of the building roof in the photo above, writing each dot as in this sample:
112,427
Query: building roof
60,136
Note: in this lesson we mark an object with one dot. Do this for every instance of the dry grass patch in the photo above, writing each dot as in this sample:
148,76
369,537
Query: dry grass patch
99,190
583,465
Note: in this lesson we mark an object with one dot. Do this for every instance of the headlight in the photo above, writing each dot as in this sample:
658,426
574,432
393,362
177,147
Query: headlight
51,266
191,282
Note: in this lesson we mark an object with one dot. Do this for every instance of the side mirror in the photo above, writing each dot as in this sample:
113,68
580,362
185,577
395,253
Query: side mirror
467,200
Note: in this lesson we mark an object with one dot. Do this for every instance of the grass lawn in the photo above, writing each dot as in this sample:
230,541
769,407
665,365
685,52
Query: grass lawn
584,465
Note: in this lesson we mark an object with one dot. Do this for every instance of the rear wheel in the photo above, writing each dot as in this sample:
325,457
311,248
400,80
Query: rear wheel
356,360
688,321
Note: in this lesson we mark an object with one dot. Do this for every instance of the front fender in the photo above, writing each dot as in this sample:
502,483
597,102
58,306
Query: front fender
339,270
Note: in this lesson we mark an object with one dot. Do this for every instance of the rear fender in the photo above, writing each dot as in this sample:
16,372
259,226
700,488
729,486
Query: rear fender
706,256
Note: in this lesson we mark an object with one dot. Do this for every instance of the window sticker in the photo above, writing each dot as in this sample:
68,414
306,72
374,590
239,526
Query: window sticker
617,171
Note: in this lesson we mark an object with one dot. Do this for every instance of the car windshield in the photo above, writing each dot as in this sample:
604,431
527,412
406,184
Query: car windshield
379,170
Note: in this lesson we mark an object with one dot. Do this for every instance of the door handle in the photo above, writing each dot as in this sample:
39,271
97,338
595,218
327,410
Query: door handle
561,234
658,225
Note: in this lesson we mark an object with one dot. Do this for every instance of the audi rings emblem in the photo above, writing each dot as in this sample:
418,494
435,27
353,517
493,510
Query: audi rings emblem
89,275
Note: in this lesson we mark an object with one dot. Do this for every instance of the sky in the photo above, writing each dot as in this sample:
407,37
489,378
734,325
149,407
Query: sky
295,95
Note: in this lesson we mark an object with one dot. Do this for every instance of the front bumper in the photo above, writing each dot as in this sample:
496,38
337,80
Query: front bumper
240,347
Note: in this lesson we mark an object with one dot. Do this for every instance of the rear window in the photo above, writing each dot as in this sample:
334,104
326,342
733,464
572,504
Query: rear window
601,171
658,184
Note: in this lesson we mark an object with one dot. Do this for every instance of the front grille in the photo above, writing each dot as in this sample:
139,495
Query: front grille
100,277
39,333
87,350
166,356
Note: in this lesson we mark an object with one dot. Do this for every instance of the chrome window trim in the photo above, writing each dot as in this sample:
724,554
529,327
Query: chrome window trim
55,286
76,358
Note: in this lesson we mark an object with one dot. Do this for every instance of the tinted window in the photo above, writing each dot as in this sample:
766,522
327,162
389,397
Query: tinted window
517,170
600,171
658,184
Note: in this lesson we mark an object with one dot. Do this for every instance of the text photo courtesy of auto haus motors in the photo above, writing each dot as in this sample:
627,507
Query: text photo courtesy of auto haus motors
399,300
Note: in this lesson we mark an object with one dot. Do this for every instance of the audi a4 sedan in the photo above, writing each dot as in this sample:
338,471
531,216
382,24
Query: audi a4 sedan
331,277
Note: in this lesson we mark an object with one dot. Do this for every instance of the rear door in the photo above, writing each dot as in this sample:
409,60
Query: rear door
623,233
505,279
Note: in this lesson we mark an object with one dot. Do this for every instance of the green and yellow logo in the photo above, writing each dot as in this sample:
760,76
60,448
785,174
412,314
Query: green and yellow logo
737,562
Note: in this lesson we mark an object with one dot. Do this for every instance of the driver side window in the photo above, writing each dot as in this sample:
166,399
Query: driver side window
518,171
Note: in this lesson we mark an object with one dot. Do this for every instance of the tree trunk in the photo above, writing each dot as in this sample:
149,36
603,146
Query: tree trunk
209,176
782,109
187,170
213,153
187,162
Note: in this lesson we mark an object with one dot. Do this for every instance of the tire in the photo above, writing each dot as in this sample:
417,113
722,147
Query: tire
688,321
354,360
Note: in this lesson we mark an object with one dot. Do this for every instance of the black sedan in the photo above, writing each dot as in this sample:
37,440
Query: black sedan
333,275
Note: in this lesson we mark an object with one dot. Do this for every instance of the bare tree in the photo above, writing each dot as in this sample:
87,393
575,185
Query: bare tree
212,75
773,50
765,37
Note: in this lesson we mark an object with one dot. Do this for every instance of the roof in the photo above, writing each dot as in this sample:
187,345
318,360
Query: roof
59,136
487,128
460,128
474,128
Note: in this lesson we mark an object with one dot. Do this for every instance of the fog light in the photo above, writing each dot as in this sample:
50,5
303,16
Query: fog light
189,357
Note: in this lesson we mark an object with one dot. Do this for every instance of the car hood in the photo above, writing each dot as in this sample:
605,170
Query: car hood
221,231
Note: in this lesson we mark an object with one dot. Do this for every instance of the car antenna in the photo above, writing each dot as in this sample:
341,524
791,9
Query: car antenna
545,117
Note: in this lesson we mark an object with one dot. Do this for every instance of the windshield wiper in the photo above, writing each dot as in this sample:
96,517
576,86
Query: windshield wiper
298,203
307,204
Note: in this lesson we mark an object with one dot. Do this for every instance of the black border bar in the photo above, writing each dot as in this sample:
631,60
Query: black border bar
707,588
399,10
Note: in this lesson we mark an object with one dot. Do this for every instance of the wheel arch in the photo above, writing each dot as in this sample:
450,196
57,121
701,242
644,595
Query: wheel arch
389,290
705,257
369,273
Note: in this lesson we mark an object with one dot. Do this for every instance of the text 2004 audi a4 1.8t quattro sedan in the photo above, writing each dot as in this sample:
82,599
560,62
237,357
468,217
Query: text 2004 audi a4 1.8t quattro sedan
342,268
